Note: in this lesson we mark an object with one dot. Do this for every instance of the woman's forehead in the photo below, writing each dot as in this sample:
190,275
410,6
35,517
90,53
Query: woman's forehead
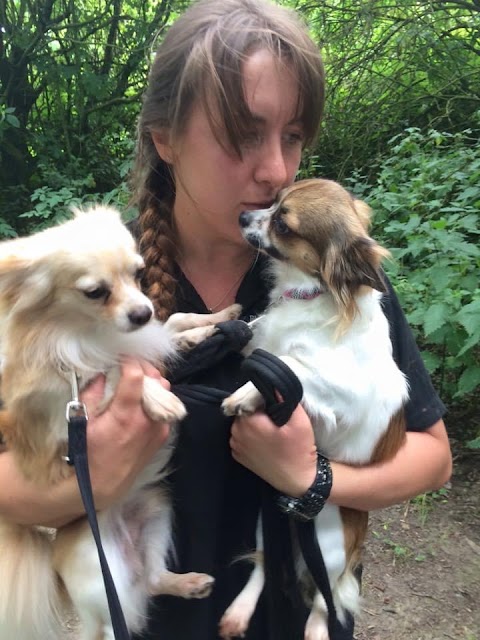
271,88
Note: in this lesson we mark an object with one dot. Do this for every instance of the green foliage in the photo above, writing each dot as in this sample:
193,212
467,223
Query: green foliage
7,119
474,444
425,502
54,205
390,66
426,200
72,75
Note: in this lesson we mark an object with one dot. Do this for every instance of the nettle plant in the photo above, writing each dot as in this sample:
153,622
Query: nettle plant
426,201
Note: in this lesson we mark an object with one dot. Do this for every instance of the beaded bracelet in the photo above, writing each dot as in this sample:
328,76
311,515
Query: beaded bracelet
311,503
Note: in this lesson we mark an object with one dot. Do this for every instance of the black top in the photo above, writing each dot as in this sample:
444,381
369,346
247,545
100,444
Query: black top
216,500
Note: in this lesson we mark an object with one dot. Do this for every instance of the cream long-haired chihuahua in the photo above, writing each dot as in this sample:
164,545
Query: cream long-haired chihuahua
70,301
326,322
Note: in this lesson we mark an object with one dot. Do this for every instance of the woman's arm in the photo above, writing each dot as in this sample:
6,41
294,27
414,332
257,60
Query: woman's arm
285,457
424,463
121,441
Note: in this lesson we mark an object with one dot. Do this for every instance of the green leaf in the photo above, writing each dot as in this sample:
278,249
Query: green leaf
469,380
469,317
435,317
469,344
432,360
12,120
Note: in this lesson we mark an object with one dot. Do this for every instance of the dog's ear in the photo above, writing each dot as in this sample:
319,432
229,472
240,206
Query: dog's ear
349,267
24,281
364,257
363,211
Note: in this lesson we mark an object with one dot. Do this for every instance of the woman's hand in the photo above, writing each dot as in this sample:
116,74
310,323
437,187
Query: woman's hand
123,439
285,457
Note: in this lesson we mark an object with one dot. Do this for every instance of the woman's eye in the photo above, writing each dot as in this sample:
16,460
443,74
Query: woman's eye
294,138
281,227
252,139
98,293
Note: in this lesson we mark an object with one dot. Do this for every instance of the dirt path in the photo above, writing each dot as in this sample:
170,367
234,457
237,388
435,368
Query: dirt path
422,565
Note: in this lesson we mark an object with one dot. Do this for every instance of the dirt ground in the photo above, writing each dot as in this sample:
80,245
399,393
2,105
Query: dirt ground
422,564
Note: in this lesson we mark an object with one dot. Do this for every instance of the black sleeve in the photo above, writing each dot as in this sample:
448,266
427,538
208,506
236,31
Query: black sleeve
424,407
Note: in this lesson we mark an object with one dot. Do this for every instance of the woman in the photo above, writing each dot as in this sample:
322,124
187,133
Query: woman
234,96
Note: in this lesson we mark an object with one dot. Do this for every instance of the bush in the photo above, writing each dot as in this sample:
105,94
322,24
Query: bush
426,200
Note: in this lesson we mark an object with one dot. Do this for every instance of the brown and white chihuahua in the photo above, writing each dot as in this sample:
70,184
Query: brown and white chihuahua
326,322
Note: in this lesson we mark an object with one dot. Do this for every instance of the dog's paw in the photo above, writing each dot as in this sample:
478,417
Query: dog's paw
160,404
183,585
316,627
189,338
235,620
196,585
243,401
229,313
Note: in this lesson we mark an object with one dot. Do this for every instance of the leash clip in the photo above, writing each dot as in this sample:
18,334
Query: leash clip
75,408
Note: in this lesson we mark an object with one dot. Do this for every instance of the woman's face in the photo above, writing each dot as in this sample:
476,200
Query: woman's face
213,185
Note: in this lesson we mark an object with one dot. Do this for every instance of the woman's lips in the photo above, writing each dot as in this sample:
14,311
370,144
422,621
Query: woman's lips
252,206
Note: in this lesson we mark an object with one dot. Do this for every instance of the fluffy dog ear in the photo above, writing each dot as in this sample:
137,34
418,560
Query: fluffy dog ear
363,211
348,268
365,257
356,264
24,282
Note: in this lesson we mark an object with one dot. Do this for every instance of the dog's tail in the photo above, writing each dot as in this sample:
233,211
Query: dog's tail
29,594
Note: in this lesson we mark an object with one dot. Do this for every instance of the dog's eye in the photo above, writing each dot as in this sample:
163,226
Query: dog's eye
281,226
139,273
97,293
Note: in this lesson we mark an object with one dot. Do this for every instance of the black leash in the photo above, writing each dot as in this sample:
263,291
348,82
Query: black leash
77,456
269,374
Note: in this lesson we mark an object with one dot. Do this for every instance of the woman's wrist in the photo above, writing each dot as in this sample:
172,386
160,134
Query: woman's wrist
310,503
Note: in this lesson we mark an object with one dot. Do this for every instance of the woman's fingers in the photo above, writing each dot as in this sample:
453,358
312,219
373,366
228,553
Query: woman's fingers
122,440
285,457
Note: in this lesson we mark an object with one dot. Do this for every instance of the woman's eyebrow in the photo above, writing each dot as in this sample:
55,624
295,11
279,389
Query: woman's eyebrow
261,120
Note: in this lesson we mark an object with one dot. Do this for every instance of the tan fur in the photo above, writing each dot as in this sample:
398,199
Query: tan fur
355,526
355,523
392,440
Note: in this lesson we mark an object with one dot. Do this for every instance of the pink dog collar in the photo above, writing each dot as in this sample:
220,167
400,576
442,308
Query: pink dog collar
302,294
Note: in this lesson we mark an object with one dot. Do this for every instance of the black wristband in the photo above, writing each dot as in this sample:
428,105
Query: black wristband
311,503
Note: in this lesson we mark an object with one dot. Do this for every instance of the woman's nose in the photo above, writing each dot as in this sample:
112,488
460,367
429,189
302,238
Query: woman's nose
272,165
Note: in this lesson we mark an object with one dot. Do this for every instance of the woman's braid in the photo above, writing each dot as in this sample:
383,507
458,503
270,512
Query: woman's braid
157,241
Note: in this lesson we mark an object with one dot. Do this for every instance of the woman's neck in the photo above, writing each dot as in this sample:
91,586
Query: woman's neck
217,275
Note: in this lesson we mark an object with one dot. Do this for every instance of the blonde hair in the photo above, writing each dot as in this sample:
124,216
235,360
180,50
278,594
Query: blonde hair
200,61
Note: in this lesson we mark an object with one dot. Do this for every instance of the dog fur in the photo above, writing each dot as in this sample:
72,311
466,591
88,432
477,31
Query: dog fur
70,301
336,339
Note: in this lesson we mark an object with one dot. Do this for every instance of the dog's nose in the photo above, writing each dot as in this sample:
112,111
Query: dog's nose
140,315
245,218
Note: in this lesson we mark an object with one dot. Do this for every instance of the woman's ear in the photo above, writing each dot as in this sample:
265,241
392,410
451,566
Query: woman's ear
161,141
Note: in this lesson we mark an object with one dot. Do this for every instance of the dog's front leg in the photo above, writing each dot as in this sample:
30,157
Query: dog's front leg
189,329
244,401
161,404
247,399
